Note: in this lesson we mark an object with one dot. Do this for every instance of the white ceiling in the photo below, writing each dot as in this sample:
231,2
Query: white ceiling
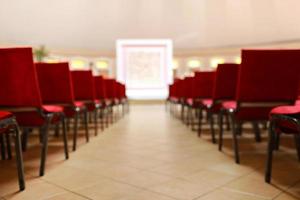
95,25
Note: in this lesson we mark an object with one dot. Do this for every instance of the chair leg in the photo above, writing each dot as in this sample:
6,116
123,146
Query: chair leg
220,130
235,140
75,131
277,141
256,131
44,134
8,146
24,138
65,139
96,121
212,129
19,159
3,156
227,123
86,126
297,144
200,122
271,142
56,130
101,114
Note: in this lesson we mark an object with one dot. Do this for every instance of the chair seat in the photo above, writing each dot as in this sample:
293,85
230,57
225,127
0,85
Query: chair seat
207,102
53,109
286,110
283,125
5,115
298,102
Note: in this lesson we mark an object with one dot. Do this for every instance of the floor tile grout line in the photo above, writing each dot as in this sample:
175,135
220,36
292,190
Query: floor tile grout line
286,190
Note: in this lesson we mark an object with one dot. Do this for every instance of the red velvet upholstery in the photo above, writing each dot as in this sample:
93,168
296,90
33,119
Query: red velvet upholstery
100,87
55,83
204,84
110,88
18,79
83,85
20,86
226,82
267,76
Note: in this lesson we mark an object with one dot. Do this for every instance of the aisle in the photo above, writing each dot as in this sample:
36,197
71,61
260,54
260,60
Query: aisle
149,155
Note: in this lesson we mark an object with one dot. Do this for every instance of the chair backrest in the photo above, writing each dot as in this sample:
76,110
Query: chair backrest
18,78
204,84
189,87
100,87
226,81
110,88
55,83
83,85
269,76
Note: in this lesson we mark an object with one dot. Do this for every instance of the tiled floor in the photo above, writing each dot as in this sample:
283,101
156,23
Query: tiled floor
149,155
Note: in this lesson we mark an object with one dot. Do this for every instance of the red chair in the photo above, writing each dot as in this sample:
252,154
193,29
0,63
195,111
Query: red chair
56,88
102,97
9,125
111,96
203,89
84,90
283,119
224,89
267,78
20,94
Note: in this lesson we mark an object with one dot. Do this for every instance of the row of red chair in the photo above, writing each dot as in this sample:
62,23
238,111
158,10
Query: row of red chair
249,92
44,95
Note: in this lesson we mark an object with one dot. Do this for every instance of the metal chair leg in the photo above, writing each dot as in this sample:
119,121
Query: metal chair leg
44,134
96,121
75,131
212,129
256,131
268,172
3,156
297,144
8,146
220,130
24,139
200,122
235,140
19,158
65,139
86,126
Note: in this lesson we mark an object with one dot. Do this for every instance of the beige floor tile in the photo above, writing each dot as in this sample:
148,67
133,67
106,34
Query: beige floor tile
146,195
67,196
211,177
72,178
252,185
108,190
287,196
222,194
36,189
182,189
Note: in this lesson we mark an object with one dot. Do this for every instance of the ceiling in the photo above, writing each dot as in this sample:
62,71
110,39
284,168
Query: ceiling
95,25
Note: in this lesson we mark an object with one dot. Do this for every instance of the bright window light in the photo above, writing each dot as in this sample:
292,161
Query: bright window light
194,63
238,60
78,64
215,61
102,64
145,66
51,60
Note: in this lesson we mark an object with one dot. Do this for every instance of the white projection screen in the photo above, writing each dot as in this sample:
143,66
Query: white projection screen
145,66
